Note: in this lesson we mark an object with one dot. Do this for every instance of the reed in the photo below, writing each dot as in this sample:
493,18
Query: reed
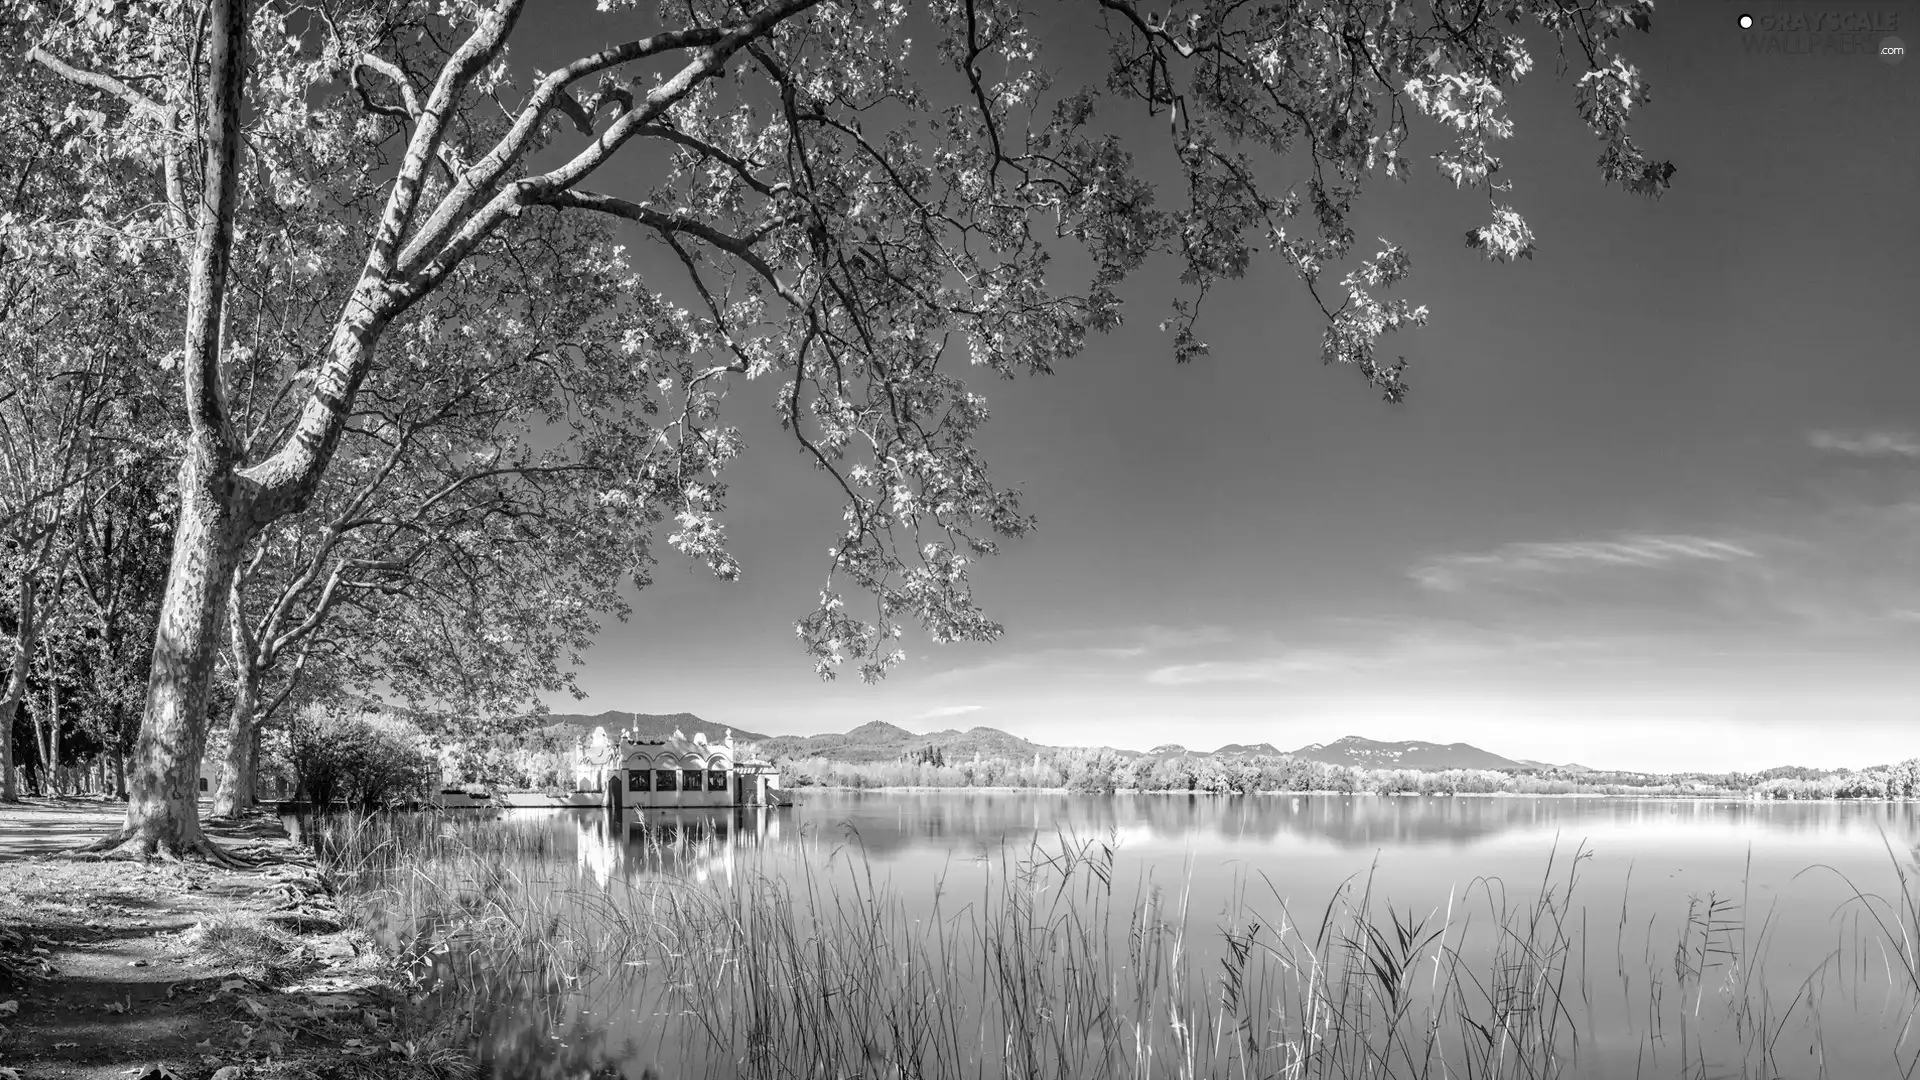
1047,966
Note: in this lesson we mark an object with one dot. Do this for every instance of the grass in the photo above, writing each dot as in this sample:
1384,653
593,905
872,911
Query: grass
1048,968
246,944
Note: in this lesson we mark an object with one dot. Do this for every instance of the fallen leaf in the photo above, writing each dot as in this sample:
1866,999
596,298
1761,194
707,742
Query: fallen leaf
114,1007
8,1008
136,963
65,1046
8,1074
232,985
205,1047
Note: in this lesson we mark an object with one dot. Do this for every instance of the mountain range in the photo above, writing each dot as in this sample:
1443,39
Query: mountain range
881,741
1415,754
650,725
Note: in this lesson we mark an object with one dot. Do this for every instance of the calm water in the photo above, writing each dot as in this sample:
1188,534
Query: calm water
1792,934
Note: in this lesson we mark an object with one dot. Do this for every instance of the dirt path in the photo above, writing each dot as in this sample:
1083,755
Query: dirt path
108,968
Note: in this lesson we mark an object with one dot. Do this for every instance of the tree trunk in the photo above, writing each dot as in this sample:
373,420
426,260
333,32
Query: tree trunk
53,732
40,746
120,775
235,792
163,792
16,685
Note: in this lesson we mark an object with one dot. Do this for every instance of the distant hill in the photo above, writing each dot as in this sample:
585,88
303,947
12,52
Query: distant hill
1543,766
1234,749
650,725
1167,748
985,741
878,731
880,741
1411,754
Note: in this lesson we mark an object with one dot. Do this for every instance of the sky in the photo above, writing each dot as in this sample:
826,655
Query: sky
1652,503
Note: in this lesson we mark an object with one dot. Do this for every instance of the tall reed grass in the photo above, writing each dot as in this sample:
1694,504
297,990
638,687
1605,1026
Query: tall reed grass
1040,964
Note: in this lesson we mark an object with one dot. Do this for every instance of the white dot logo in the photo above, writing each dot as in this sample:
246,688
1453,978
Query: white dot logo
1746,22
1892,49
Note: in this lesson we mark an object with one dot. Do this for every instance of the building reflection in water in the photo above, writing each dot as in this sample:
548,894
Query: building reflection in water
680,842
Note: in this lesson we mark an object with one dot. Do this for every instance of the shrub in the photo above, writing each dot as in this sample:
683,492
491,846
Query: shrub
370,762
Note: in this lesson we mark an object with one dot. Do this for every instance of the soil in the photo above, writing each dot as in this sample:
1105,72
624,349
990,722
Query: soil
122,969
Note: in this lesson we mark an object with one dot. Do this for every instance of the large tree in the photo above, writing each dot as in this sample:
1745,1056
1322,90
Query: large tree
851,220
461,547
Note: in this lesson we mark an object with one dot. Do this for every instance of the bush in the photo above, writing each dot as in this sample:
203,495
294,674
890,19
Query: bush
369,762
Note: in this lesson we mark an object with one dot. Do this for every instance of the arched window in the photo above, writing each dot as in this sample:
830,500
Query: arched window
717,771
639,774
666,775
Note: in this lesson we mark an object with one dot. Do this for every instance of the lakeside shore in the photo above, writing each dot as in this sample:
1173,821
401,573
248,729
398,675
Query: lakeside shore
110,967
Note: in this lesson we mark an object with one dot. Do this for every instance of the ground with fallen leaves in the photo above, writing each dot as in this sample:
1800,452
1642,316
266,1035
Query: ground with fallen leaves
123,970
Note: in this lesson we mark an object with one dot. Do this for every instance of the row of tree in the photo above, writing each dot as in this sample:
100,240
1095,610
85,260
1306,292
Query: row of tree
325,371
1104,772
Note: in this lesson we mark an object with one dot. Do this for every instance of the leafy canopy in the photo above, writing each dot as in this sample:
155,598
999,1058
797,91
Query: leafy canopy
833,207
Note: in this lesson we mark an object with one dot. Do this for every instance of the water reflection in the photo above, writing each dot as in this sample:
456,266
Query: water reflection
1657,863
889,824
694,843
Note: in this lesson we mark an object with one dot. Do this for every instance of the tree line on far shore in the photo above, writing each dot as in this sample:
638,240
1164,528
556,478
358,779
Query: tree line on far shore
1106,771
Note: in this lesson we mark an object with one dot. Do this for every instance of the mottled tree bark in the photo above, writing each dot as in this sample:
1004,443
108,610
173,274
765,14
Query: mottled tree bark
163,791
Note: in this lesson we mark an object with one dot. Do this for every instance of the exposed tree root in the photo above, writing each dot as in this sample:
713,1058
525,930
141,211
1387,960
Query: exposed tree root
128,844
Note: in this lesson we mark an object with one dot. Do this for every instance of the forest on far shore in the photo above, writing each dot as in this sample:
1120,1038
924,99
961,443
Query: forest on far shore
1097,771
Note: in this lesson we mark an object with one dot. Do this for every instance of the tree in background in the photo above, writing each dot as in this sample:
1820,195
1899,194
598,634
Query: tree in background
78,382
1097,773
845,227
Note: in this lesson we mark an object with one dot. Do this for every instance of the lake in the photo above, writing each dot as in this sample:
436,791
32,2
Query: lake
946,934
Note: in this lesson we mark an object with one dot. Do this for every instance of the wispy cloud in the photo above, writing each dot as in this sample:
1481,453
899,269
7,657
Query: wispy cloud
1282,668
1515,563
1144,639
1087,653
1397,649
944,711
1877,444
